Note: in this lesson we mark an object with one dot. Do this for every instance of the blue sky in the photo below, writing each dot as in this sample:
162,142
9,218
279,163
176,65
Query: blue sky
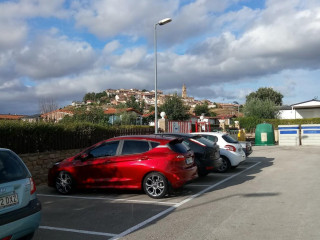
221,50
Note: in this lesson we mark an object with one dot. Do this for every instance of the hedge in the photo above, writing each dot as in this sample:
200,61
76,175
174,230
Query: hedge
250,123
24,137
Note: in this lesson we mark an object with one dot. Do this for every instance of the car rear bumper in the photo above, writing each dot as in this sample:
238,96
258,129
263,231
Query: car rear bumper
179,178
236,158
21,222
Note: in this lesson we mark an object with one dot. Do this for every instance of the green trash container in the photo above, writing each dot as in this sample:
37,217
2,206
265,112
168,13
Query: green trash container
264,135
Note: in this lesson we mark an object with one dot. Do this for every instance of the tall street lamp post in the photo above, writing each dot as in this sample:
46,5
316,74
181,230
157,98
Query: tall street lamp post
161,22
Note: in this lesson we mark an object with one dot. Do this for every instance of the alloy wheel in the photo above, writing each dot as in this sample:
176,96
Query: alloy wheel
155,185
64,183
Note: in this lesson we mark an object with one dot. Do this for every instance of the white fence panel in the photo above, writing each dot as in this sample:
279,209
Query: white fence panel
310,134
289,135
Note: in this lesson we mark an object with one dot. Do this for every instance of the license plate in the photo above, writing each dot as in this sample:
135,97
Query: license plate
189,160
9,200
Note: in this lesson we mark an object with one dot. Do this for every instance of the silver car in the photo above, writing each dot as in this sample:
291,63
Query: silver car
20,210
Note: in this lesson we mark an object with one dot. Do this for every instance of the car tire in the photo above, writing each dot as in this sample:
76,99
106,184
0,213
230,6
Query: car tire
225,166
155,185
64,183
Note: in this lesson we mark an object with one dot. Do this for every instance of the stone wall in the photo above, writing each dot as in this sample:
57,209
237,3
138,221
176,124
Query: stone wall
39,163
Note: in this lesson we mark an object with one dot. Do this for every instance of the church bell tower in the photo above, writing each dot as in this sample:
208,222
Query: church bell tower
184,91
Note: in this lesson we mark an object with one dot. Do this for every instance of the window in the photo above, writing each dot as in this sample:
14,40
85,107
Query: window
196,147
11,167
134,147
105,149
154,144
229,139
211,138
179,147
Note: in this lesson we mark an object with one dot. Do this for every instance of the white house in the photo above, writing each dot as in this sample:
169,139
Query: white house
308,109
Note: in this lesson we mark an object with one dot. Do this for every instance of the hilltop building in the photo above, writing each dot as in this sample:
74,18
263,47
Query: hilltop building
184,91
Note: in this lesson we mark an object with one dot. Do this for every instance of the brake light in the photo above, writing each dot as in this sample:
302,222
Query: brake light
180,157
6,238
230,148
32,186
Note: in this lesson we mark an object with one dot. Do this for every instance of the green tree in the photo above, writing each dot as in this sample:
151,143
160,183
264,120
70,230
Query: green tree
127,118
266,94
202,109
132,103
259,108
92,115
175,108
89,96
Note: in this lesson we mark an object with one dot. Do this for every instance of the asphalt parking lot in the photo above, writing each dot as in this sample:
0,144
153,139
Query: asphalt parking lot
273,195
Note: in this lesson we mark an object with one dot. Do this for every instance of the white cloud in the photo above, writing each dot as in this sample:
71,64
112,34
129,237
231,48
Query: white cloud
208,47
54,56
109,18
32,8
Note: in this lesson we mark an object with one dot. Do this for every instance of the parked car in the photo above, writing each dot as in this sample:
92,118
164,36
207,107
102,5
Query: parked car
152,163
207,156
246,147
20,210
231,150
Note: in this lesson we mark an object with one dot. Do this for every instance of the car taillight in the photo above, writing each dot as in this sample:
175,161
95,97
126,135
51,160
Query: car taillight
6,238
180,157
32,186
230,148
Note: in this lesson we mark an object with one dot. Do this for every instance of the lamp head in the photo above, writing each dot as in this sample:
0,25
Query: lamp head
164,21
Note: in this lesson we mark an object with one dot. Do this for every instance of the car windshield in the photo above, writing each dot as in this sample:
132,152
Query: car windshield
11,167
229,139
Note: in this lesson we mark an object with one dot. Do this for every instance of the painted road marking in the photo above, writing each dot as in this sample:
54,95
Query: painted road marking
140,225
108,199
79,231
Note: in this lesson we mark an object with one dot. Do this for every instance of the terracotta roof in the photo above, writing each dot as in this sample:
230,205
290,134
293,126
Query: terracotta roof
11,117
58,110
115,111
148,114
222,116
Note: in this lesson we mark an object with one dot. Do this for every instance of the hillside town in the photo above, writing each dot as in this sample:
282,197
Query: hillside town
116,104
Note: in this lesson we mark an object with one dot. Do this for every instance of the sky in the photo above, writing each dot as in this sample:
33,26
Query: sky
220,49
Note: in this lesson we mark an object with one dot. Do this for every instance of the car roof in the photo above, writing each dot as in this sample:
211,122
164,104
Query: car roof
145,137
188,135
209,133
4,149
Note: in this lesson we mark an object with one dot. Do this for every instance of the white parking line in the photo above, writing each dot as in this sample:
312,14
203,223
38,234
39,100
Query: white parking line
134,228
108,199
78,231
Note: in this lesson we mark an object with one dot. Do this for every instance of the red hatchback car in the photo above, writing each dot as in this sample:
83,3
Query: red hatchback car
151,163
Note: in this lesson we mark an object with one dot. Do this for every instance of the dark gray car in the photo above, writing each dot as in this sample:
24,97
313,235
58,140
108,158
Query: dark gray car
207,155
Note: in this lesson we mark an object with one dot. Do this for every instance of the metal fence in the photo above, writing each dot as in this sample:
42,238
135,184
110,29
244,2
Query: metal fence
41,142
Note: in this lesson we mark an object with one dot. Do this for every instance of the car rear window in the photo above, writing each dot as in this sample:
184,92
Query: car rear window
134,147
211,138
11,167
196,147
205,141
178,147
229,139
